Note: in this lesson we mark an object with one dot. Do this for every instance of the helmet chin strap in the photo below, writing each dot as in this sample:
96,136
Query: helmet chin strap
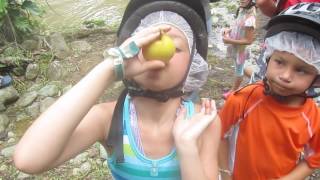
268,91
134,88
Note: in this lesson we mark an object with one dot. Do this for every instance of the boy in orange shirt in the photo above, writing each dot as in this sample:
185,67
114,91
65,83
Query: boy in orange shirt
271,129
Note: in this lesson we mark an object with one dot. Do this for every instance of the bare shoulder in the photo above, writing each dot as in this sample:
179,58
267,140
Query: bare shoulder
101,115
103,112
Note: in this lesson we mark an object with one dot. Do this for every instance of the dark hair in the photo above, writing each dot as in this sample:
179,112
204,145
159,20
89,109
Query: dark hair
249,6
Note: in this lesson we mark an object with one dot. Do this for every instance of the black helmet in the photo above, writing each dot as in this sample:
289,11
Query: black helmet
302,18
195,12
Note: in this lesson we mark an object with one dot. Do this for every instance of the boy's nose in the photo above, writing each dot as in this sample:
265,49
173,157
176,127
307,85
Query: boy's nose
286,75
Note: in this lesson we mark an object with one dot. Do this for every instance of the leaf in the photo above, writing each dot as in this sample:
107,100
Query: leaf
3,8
22,24
2,65
32,8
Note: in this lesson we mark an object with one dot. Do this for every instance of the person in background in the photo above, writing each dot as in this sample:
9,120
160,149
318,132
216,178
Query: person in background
271,129
240,35
151,132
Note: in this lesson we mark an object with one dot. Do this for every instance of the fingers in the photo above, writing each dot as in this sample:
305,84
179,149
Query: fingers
180,118
201,121
148,35
151,65
152,30
208,106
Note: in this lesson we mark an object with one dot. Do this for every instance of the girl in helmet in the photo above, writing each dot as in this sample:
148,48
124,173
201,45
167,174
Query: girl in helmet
238,37
151,132
271,129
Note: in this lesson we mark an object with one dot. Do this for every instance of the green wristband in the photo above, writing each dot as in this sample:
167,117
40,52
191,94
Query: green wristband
118,69
124,52
117,63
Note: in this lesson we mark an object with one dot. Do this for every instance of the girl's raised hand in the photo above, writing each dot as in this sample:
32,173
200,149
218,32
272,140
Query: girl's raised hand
187,131
137,65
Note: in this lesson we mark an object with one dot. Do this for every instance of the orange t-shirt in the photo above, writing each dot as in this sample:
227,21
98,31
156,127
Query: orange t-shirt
266,138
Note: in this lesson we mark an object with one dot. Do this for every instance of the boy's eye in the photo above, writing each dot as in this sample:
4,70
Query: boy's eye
279,62
301,71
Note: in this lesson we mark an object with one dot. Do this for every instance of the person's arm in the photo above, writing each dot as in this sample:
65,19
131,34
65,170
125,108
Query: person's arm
311,158
197,141
267,7
246,40
47,140
229,115
224,169
301,171
66,128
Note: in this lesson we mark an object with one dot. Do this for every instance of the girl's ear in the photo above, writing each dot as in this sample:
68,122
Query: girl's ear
316,83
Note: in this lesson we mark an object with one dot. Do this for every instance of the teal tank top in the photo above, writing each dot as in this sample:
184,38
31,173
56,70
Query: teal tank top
136,166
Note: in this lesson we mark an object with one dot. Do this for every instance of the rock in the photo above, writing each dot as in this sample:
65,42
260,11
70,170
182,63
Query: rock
2,107
103,152
56,71
3,167
30,44
105,164
85,167
99,162
23,176
11,140
3,135
49,90
11,134
59,46
4,122
81,46
67,88
76,171
32,71
27,99
33,110
35,87
81,158
8,95
8,151
44,104
22,116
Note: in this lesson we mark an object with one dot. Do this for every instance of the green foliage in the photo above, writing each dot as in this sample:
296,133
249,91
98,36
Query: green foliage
17,18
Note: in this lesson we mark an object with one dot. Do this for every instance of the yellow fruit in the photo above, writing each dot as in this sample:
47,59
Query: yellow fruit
162,49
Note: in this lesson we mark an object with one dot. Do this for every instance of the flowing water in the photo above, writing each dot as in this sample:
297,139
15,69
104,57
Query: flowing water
65,14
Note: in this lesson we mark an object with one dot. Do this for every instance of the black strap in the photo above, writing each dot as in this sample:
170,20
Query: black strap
115,138
162,96
279,7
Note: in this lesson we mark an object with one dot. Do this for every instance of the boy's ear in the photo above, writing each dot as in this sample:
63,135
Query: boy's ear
316,83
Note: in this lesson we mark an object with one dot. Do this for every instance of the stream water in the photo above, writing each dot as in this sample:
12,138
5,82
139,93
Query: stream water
68,14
